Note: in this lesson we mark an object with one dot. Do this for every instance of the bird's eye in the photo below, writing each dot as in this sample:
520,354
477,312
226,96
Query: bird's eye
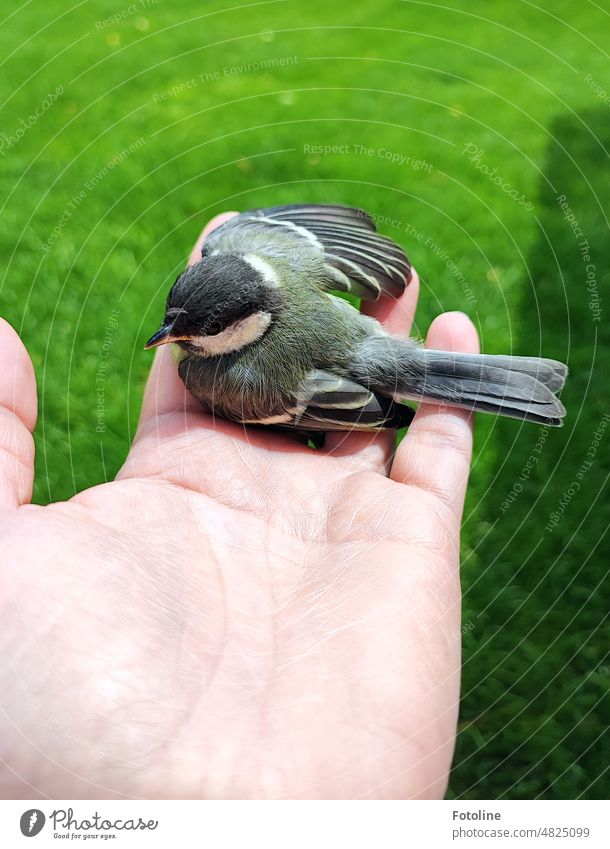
213,329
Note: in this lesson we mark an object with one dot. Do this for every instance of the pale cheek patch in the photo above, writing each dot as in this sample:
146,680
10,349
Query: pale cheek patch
243,332
269,276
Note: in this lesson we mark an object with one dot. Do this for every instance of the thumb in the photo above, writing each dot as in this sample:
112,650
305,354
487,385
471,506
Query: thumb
18,410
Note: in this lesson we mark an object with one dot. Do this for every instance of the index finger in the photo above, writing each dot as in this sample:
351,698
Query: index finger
165,391
435,454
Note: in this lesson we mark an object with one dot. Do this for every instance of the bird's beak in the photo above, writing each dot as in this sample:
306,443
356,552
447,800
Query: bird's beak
161,337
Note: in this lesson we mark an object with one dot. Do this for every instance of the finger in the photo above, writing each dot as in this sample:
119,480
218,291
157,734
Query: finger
18,411
164,390
212,224
435,454
396,314
374,450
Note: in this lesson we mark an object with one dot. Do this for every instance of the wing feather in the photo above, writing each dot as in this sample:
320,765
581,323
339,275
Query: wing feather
357,258
329,402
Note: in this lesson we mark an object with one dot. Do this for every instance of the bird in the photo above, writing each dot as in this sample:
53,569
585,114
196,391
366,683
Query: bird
266,336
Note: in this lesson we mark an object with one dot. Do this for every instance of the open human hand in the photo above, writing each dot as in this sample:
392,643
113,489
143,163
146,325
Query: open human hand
236,615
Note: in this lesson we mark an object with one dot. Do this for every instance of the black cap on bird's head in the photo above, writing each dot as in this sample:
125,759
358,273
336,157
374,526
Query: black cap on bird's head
219,305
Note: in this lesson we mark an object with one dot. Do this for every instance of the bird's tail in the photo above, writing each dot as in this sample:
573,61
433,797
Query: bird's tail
518,387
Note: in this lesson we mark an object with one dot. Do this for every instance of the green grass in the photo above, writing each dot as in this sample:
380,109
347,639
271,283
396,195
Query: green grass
413,78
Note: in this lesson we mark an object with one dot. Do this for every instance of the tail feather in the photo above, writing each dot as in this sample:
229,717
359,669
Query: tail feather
550,373
518,387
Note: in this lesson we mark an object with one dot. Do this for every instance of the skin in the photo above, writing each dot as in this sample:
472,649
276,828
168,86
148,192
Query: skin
235,616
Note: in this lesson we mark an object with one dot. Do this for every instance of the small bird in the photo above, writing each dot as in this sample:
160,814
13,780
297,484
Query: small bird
264,341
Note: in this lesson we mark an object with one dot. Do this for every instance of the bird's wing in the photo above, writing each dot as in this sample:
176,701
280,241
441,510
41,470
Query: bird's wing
356,258
328,402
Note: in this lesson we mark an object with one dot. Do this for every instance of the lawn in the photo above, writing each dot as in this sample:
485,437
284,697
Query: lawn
481,137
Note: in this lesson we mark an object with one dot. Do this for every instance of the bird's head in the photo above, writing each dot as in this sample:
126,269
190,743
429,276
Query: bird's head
219,305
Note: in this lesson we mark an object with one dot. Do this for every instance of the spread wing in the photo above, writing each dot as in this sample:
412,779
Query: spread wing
355,257
328,402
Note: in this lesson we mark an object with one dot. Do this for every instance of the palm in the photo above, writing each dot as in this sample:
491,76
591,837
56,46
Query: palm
237,615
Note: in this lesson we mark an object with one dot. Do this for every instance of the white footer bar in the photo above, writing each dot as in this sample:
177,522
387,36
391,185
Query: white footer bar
306,825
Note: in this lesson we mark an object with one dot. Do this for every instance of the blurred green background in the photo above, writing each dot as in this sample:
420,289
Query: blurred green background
125,127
